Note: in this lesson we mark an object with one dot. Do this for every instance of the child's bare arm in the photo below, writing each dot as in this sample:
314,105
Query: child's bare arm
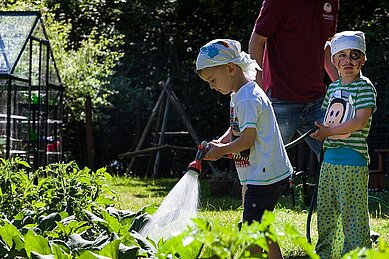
245,141
226,138
358,122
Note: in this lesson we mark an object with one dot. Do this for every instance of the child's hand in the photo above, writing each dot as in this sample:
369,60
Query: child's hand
321,133
214,152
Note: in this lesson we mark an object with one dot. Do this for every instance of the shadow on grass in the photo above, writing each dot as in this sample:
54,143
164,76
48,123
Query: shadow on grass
232,201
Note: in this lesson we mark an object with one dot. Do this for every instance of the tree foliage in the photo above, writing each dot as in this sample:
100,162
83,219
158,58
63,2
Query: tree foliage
161,38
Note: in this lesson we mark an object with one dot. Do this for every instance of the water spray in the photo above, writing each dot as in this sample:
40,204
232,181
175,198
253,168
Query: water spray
181,204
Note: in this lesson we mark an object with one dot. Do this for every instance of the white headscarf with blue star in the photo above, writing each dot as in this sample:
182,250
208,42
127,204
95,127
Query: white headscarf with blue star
223,51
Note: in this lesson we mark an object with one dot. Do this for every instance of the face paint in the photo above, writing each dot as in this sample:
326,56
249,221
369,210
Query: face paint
354,55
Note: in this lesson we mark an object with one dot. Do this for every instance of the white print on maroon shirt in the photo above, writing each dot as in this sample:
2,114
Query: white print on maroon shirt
327,9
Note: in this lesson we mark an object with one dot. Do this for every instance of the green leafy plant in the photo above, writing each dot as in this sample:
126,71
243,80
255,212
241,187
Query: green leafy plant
59,187
64,186
75,219
16,187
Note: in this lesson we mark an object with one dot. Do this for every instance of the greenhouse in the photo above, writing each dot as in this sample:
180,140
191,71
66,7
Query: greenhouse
31,93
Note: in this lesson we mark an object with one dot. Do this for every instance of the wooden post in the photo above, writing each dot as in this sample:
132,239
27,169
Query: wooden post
90,144
161,139
150,166
148,125
172,99
176,103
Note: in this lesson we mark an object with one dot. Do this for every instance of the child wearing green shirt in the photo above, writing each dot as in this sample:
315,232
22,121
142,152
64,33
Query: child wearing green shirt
342,203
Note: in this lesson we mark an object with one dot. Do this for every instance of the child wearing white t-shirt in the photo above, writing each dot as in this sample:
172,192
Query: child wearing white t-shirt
253,137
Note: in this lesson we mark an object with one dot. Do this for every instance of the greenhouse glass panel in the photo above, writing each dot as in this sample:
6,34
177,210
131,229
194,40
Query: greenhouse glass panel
13,36
31,92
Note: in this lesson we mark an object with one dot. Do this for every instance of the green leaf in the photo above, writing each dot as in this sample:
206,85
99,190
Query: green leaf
21,162
111,249
7,232
128,252
92,217
35,255
49,222
202,224
104,200
91,255
40,204
18,242
139,222
37,244
301,241
107,176
59,253
76,241
144,243
113,222
101,170
185,245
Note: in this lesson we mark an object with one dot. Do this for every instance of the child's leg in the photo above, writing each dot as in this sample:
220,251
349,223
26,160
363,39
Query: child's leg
354,207
256,200
327,213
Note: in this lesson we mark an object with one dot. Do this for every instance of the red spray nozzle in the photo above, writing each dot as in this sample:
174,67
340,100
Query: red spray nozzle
201,151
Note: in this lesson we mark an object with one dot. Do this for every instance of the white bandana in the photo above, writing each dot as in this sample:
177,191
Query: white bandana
223,51
347,40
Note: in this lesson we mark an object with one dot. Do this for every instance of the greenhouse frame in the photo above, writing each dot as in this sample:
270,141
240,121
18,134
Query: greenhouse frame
31,92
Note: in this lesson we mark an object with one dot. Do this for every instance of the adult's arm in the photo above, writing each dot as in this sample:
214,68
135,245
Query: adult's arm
256,49
329,66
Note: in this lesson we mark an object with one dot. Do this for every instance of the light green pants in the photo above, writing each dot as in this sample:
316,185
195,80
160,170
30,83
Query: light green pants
342,210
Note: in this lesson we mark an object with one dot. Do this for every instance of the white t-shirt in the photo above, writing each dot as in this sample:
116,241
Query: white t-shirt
267,161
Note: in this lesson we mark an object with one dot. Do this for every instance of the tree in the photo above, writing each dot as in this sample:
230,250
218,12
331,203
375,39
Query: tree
161,38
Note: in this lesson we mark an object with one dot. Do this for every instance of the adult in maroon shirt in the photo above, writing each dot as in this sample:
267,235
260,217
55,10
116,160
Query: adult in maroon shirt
288,43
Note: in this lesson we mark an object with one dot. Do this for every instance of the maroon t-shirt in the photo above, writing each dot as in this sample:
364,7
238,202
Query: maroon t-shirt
296,31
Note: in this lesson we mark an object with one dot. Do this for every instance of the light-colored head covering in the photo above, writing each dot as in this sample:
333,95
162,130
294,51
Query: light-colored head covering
223,51
347,40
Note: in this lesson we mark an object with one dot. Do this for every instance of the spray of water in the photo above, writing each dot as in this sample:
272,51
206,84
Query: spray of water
177,209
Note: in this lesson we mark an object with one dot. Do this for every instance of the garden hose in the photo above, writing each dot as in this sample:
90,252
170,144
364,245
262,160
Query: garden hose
296,141
313,199
379,200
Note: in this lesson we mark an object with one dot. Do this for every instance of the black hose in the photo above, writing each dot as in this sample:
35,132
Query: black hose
314,194
309,216
296,141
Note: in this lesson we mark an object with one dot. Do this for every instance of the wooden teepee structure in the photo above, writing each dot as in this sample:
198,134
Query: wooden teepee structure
168,98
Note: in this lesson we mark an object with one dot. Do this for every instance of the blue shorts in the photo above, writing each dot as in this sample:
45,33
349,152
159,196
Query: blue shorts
259,198
298,117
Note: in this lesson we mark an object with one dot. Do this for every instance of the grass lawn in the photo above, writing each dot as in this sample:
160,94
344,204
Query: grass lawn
134,193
